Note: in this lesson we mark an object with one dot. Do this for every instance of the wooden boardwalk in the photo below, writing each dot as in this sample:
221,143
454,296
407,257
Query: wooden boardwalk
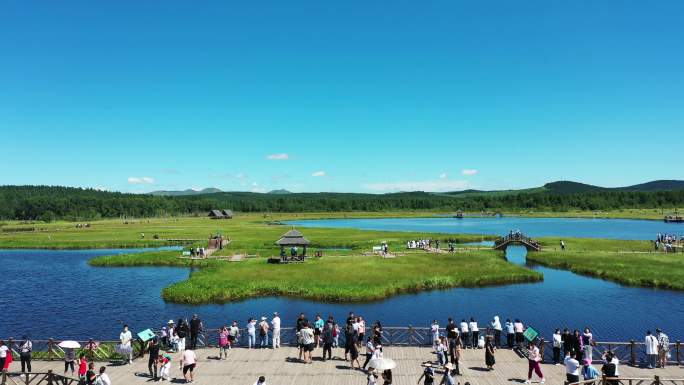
281,367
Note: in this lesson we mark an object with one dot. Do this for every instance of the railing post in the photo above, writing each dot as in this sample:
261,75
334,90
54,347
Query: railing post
49,377
541,350
677,349
411,337
632,353
50,346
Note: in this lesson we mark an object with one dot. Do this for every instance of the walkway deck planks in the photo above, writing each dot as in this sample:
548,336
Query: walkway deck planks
280,367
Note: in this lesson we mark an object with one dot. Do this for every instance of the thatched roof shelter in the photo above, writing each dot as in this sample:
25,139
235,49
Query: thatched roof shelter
292,238
228,214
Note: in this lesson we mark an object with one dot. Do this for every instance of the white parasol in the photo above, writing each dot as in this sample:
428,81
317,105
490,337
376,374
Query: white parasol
382,363
69,345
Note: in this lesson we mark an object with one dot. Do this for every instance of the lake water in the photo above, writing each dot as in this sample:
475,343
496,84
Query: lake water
57,294
534,227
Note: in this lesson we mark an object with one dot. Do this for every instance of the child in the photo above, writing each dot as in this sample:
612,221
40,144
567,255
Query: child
82,368
223,343
164,367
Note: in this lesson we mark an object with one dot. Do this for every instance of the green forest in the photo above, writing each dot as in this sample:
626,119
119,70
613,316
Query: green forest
48,203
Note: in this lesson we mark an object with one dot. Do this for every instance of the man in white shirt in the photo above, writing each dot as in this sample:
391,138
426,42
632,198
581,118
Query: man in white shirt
651,343
275,323
125,337
571,368
188,363
103,378
465,336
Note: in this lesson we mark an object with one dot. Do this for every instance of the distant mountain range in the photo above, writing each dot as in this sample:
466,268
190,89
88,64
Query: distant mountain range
569,187
209,190
559,187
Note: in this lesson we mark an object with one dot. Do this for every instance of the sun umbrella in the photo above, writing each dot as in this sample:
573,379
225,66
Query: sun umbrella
382,363
69,345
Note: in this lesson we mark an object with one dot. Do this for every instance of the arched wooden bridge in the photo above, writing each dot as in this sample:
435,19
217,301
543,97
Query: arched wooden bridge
517,239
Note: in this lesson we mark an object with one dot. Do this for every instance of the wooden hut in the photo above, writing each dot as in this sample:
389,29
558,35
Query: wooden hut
293,239
227,214
215,214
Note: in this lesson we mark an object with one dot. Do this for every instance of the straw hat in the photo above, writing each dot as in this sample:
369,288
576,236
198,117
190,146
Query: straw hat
263,318
449,366
170,321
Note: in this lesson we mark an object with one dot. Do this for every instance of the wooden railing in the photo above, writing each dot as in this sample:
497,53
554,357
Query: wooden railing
43,378
632,352
656,380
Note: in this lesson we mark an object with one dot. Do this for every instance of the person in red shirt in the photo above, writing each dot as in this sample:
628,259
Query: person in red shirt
82,367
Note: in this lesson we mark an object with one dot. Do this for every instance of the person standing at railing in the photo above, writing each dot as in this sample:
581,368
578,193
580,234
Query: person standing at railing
434,330
566,341
577,343
234,334
663,347
275,336
251,333
518,329
496,325
557,343
465,336
82,368
127,350
651,343
263,333
510,333
474,332
587,343
25,350
195,329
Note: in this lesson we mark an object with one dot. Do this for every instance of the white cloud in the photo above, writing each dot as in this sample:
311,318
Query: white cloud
440,185
469,171
282,156
318,173
443,175
140,180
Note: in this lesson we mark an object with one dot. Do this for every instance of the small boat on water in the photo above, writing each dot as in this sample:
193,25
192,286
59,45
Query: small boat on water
459,214
674,219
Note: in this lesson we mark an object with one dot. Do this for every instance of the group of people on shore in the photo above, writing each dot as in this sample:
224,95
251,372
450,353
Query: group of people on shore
666,242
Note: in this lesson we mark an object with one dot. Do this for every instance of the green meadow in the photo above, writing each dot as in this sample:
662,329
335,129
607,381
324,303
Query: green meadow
344,273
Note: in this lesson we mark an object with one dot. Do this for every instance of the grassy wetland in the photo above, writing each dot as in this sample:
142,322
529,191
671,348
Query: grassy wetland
633,263
344,273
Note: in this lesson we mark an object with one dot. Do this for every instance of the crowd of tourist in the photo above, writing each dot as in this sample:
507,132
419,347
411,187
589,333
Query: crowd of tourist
667,242
573,349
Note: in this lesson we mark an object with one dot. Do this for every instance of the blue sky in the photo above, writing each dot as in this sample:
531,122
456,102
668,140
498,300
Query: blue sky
340,96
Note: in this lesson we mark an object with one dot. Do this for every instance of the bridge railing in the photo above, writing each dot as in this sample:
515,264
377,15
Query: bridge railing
39,378
516,238
632,352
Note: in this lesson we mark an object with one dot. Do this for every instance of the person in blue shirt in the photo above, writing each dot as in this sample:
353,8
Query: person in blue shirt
589,372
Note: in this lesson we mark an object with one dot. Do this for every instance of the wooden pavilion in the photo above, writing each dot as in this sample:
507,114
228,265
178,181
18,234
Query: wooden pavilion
293,239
